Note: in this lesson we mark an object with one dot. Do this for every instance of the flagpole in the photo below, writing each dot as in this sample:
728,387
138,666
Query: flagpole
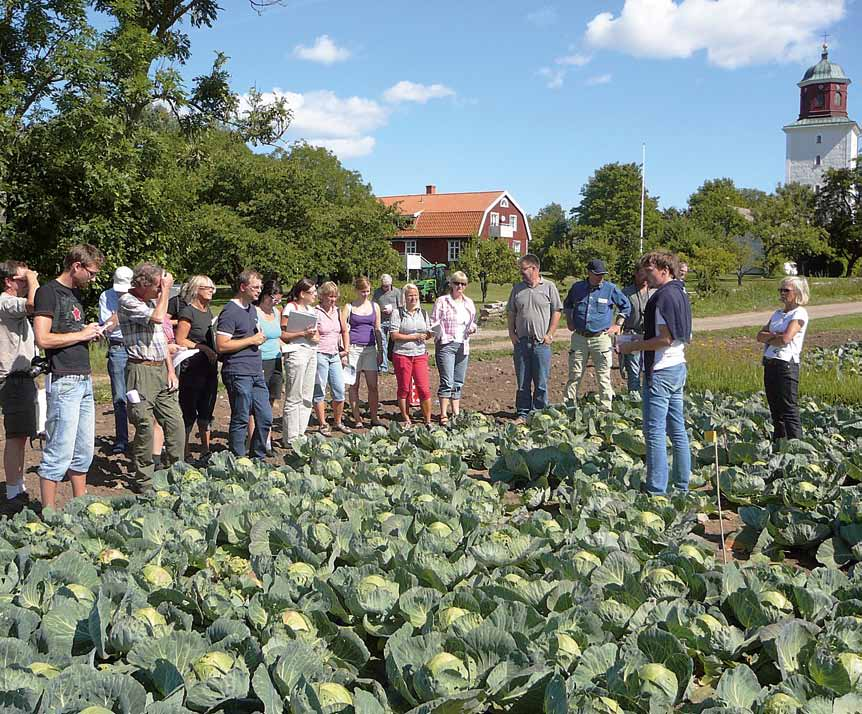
643,194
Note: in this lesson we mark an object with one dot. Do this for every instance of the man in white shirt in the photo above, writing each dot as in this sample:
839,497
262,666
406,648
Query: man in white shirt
109,302
667,327
17,387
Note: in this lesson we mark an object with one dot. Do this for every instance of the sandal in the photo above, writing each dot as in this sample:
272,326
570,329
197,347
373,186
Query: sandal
343,428
358,424
407,424
444,421
325,430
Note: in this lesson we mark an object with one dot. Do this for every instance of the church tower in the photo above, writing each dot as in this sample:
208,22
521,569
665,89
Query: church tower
823,137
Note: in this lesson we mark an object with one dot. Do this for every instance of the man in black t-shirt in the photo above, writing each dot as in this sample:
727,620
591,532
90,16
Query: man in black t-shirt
63,333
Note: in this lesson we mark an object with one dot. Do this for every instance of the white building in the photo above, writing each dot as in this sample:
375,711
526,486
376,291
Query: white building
823,137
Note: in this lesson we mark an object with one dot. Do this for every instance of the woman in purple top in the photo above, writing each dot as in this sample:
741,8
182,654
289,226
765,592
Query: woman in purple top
364,352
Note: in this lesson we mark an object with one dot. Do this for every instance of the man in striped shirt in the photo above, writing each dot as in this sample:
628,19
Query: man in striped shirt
150,376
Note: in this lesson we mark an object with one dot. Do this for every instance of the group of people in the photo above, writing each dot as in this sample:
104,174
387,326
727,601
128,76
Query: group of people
648,323
164,352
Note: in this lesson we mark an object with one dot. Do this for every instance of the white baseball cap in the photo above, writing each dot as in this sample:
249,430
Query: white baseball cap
123,279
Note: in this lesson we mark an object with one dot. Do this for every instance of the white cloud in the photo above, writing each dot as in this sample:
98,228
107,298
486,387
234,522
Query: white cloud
347,148
553,77
733,33
406,91
324,51
599,79
341,124
575,59
543,17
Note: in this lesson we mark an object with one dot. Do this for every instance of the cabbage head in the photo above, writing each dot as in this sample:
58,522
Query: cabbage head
157,576
442,675
333,697
656,680
213,664
780,703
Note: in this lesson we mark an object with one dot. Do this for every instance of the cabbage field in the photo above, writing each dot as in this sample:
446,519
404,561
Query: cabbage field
389,573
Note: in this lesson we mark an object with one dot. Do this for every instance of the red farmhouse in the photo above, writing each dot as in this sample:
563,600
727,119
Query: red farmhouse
436,225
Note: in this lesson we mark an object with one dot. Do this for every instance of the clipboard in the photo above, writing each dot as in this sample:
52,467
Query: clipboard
300,322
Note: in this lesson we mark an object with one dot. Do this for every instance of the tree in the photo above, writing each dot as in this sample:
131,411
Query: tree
785,222
681,235
611,200
582,245
491,257
708,263
839,211
715,207
548,228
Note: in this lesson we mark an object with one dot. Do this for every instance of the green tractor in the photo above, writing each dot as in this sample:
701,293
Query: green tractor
431,281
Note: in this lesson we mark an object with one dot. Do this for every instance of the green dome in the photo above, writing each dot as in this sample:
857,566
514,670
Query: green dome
824,71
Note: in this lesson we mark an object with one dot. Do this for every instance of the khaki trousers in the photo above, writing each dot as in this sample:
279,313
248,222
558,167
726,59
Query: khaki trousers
151,383
599,348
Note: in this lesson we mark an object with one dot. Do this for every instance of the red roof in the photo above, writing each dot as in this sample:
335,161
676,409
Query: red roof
443,214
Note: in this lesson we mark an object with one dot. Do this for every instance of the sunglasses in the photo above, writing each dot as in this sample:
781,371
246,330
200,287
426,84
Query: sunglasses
460,285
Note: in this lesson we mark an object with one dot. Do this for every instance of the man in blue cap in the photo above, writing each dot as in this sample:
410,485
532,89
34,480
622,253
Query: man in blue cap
589,309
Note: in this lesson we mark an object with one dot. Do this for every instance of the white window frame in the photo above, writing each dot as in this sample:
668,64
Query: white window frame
504,203
495,219
513,221
454,250
411,247
516,246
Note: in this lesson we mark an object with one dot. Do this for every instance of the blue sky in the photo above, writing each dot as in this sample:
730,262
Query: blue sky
534,97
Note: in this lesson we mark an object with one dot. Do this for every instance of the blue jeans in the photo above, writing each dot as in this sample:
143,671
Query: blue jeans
630,366
532,367
117,359
384,336
248,395
663,417
329,372
71,427
452,368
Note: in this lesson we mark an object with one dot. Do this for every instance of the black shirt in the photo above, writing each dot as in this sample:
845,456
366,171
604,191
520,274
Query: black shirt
201,324
63,306
175,307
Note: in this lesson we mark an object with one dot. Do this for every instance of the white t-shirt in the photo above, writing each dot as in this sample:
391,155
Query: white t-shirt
298,343
778,323
669,356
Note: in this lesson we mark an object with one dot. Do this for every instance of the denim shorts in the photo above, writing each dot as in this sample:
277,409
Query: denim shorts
331,373
70,425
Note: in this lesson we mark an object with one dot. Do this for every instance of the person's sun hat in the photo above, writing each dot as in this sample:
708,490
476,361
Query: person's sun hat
123,279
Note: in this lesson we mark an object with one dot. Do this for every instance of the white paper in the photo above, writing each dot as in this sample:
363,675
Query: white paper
183,355
300,322
349,374
132,396
437,329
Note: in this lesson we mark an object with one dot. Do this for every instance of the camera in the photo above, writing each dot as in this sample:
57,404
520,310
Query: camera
38,367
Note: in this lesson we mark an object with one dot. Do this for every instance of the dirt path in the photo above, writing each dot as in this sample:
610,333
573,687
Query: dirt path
496,339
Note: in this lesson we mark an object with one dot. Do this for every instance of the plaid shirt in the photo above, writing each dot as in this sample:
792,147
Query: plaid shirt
450,315
144,339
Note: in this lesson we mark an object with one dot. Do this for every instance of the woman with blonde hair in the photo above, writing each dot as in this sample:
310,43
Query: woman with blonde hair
331,357
364,351
782,338
199,373
456,314
410,328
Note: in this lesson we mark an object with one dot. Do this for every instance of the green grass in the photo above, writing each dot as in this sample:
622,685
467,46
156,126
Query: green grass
729,361
762,294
